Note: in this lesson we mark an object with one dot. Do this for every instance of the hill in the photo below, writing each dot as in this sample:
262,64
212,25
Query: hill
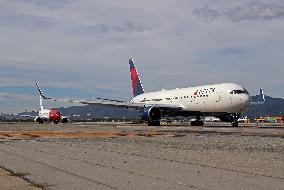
95,111
271,107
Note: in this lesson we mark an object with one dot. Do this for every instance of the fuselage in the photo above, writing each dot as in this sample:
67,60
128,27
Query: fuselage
216,98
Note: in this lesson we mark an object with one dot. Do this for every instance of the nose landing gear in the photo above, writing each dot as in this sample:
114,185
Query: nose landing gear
235,123
154,123
197,122
232,117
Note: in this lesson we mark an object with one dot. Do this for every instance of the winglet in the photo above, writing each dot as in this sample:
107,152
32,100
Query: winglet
40,92
258,99
261,94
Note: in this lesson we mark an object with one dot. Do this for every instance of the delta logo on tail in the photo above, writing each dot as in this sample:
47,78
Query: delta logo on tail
136,82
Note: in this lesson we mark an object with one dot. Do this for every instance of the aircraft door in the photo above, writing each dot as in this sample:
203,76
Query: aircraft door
217,100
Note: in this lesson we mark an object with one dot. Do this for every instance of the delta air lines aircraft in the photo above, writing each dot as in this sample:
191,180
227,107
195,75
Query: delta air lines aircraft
225,101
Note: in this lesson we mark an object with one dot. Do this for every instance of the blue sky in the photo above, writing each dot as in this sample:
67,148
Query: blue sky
80,48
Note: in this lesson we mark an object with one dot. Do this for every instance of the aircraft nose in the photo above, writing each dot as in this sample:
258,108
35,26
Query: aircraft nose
247,101
55,115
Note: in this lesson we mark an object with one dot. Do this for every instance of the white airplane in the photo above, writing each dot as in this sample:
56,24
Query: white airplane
225,101
52,115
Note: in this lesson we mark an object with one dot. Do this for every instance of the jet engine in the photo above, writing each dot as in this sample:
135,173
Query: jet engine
151,114
64,120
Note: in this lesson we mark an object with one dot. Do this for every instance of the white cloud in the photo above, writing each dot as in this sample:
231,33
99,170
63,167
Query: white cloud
251,10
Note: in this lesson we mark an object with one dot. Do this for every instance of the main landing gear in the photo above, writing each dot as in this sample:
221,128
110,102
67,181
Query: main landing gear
232,117
39,120
235,123
197,122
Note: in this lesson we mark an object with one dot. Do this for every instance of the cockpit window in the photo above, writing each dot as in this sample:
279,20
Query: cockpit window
244,91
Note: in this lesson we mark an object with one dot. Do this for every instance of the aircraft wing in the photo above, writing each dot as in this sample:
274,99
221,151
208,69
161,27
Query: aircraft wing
31,116
113,103
118,103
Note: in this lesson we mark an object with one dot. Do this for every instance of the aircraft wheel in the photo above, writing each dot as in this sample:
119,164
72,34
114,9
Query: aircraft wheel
235,124
64,120
197,123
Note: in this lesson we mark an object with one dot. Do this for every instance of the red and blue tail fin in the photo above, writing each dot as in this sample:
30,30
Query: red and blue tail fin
136,82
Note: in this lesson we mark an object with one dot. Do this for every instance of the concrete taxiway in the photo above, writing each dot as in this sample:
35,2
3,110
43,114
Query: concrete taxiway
123,156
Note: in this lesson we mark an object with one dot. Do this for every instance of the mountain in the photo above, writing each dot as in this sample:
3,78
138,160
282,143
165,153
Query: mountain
95,111
271,107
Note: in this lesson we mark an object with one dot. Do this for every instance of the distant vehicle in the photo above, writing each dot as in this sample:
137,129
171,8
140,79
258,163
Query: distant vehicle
52,115
270,119
225,101
279,119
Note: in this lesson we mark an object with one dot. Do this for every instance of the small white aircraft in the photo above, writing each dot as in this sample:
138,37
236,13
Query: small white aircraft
225,101
52,115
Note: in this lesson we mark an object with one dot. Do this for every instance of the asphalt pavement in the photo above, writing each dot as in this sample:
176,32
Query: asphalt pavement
176,158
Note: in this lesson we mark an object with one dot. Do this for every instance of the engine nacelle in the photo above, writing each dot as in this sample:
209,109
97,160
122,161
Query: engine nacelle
39,120
151,114
64,120
36,119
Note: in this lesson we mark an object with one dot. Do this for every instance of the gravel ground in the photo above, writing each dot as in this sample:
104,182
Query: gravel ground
188,161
